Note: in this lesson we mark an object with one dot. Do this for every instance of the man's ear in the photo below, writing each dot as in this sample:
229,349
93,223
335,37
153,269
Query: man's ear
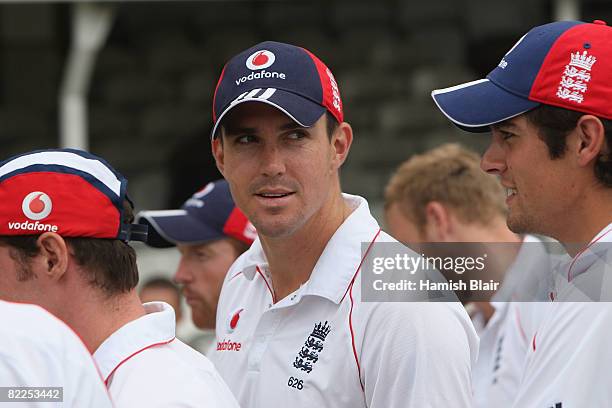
341,142
53,255
438,223
217,151
591,137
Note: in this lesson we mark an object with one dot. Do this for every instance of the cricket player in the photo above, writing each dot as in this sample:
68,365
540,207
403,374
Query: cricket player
38,350
442,197
66,226
210,232
547,105
292,329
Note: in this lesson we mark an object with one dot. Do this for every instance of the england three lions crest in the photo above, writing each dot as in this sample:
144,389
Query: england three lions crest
313,346
575,79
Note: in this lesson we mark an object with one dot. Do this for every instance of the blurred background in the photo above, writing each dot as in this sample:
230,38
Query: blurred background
132,81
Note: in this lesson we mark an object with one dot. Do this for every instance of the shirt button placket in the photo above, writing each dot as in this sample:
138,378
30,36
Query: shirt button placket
261,338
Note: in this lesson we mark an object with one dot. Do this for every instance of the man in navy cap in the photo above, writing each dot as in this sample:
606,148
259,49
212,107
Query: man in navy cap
547,105
291,325
210,232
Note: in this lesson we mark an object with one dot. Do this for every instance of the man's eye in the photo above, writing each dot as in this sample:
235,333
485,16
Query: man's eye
202,255
506,135
246,139
296,135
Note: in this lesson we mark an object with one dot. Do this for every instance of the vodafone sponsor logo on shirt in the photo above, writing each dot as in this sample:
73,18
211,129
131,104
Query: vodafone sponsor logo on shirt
228,345
36,206
232,323
257,62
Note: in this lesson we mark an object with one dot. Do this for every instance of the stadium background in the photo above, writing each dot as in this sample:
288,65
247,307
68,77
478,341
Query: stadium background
149,93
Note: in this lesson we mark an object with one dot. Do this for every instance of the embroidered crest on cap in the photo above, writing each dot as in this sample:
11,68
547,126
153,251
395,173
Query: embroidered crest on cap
573,85
335,91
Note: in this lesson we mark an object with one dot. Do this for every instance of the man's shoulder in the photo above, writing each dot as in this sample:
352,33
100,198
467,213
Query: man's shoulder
411,311
173,366
26,322
174,360
570,327
166,368
33,342
411,328
415,316
385,237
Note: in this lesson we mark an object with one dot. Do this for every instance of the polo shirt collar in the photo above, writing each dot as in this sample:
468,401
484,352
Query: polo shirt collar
596,251
340,259
154,328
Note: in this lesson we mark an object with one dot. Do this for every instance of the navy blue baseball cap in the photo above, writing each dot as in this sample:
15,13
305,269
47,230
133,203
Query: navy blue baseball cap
208,215
565,64
290,78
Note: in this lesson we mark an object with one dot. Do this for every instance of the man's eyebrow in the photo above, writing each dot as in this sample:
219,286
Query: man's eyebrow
291,125
506,124
237,130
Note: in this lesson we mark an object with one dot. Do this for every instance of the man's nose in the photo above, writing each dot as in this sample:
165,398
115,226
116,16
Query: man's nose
494,159
273,163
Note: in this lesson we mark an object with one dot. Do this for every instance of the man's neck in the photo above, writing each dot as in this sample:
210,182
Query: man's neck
586,220
494,231
292,259
95,317
501,245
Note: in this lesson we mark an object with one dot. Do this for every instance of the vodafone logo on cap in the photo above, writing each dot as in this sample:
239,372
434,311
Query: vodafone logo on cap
37,205
260,59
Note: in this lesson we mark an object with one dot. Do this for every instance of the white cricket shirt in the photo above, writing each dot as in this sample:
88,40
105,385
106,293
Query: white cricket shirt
144,365
322,347
570,355
505,339
39,350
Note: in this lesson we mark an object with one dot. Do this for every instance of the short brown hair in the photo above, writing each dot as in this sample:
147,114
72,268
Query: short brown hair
554,124
239,246
109,264
449,174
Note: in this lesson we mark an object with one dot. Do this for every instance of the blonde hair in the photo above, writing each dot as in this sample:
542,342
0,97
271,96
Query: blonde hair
451,175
